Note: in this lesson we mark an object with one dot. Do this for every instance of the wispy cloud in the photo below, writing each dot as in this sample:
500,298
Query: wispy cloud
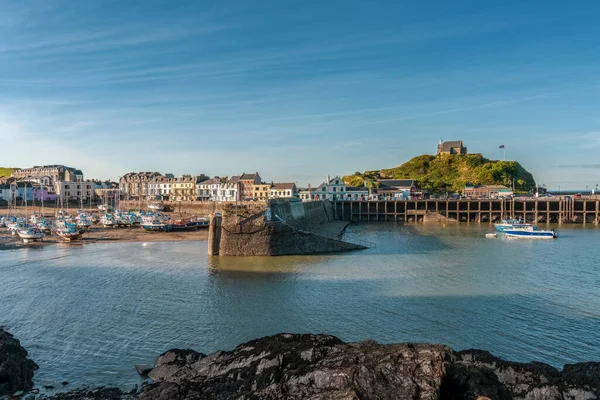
579,166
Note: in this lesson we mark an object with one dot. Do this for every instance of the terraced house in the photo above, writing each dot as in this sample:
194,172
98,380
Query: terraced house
135,185
184,188
282,190
261,191
246,185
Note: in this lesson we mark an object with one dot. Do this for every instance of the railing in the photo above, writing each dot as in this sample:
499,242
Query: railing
328,235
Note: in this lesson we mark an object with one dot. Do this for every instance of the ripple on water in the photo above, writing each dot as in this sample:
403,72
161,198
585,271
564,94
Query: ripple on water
89,313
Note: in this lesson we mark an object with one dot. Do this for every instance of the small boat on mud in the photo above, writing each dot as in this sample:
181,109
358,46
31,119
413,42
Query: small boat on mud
31,234
187,224
68,234
154,225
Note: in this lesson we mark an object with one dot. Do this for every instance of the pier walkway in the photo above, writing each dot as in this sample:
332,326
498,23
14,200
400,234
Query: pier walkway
547,210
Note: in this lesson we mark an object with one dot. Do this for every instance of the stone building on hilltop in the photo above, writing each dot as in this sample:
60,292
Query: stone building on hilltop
453,147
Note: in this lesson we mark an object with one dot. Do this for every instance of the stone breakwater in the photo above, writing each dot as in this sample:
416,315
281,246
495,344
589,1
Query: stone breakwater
286,228
294,366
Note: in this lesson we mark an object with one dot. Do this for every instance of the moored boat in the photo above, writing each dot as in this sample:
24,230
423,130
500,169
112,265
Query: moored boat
529,232
188,224
509,223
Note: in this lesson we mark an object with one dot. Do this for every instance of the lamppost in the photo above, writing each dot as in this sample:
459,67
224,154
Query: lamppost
559,190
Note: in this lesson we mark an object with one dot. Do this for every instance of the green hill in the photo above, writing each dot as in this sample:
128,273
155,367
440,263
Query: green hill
451,172
6,171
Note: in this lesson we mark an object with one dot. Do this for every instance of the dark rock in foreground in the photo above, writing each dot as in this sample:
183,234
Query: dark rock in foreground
322,367
16,370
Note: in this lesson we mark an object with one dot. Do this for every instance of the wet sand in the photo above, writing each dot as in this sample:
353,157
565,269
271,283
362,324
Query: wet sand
99,235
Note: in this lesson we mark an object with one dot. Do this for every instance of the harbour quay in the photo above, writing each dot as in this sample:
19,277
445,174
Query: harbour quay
536,210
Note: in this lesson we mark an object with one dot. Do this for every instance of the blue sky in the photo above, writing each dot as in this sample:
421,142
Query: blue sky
298,90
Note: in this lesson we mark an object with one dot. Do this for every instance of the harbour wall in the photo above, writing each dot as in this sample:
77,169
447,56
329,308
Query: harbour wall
564,210
286,228
191,207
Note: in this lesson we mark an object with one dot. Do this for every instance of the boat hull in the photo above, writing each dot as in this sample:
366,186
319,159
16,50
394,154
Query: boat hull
154,228
530,234
70,237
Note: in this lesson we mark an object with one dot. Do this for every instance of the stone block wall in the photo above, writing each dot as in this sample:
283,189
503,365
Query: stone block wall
251,235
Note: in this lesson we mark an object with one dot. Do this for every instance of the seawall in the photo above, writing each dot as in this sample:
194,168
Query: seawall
285,228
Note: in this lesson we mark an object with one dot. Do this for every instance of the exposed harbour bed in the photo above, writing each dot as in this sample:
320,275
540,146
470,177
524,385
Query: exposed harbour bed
99,234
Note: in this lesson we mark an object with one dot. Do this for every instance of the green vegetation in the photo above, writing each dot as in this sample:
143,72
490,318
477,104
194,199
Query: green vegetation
6,171
451,172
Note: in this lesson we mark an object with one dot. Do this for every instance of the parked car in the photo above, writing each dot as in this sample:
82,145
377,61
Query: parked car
577,196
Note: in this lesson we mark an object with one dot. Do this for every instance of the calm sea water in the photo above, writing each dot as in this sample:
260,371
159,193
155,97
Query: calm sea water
88,313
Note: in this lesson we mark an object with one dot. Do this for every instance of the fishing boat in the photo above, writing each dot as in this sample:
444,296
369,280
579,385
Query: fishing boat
509,223
31,234
526,231
153,224
188,224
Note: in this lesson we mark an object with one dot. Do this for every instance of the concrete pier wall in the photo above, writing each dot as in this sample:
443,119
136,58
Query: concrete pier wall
291,228
550,210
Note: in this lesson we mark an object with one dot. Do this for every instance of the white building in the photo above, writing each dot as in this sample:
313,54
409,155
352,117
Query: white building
230,190
283,190
160,187
74,190
335,190
208,190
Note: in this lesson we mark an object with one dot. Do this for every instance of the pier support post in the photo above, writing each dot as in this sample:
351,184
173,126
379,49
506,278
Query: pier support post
214,235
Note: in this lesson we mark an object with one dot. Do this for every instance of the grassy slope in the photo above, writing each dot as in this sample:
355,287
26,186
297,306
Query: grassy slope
452,172
6,171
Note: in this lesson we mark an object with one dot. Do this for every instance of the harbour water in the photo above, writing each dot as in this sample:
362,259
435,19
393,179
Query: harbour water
88,313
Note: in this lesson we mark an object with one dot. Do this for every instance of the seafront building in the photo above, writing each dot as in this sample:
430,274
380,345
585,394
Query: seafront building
334,189
246,185
398,189
261,192
136,185
56,173
487,191
184,188
159,187
208,190
283,190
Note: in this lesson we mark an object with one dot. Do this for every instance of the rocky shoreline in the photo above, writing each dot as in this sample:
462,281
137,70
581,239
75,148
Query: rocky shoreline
322,367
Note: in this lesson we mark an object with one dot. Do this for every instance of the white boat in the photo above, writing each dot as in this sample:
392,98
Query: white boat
104,207
31,234
529,232
509,223
156,206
